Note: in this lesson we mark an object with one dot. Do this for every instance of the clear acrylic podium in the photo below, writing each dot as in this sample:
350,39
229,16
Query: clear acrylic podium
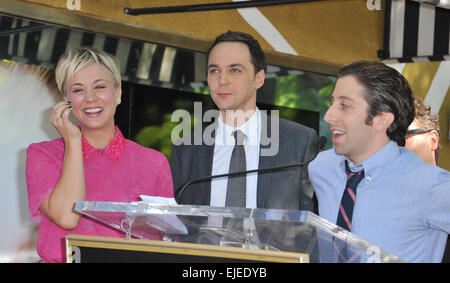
283,231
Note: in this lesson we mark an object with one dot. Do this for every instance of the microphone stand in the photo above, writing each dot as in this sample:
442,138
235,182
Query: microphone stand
320,144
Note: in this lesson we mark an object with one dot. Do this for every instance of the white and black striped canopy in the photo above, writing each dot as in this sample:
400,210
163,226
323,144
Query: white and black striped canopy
415,31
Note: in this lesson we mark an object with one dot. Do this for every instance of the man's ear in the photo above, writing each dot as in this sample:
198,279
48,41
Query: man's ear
434,138
259,79
382,121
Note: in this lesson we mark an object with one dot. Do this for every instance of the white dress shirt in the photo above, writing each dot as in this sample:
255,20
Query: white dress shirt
223,148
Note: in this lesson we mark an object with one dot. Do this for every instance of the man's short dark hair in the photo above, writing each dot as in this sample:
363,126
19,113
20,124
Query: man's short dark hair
386,91
426,120
257,56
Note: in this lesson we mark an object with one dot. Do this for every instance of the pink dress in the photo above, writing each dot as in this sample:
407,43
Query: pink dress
120,173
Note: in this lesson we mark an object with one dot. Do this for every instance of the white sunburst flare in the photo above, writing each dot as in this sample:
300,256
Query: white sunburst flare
26,99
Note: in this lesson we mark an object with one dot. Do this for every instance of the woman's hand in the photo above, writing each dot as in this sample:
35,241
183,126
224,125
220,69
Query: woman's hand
60,120
70,187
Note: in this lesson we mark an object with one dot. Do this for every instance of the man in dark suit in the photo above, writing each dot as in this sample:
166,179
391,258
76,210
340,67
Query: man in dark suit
235,73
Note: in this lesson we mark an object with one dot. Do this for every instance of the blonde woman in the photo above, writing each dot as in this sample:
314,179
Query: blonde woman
91,161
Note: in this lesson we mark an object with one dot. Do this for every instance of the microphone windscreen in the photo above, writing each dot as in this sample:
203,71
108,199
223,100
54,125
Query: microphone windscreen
321,142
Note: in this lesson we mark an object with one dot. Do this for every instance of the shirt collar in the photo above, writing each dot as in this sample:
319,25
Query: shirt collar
249,128
374,163
113,150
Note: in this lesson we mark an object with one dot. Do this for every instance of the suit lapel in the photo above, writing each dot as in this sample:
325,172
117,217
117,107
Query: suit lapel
206,156
264,180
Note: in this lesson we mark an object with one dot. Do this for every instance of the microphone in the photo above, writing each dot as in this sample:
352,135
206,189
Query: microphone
320,144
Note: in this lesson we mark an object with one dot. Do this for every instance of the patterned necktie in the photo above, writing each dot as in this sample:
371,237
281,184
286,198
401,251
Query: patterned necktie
349,198
236,189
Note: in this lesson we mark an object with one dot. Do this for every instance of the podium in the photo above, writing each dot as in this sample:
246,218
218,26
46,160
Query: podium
186,233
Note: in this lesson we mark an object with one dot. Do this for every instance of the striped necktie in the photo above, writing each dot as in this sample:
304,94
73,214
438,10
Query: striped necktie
349,198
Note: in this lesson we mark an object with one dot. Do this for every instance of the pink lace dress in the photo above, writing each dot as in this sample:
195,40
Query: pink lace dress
120,172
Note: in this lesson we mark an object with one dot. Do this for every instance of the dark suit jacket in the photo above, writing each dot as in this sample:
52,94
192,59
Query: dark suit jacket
285,189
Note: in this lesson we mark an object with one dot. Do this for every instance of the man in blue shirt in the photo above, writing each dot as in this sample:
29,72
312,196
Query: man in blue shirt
402,204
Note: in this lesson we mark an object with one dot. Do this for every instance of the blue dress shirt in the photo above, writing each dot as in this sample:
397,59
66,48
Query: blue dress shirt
402,204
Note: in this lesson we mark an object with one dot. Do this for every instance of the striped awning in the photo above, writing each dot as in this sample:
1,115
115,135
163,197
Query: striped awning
316,35
40,44
415,32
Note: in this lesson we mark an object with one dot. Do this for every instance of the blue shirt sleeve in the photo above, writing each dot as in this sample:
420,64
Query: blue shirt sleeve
438,203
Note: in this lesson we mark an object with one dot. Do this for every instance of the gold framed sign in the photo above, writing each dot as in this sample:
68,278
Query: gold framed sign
107,249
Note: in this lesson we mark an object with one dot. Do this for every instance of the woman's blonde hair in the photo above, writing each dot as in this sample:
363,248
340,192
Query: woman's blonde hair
77,58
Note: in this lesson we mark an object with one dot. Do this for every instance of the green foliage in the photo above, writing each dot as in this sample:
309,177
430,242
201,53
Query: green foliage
158,137
309,91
